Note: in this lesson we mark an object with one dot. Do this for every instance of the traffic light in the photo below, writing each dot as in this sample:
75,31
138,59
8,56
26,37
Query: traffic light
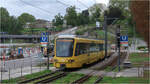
118,39
48,50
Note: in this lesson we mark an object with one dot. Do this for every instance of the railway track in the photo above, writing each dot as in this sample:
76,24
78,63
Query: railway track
45,78
33,79
86,77
52,78
83,79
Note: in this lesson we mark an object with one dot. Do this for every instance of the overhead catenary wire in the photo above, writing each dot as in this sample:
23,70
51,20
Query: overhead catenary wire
46,11
82,4
67,5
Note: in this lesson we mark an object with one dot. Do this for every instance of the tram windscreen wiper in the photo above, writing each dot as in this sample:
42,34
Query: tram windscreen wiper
64,47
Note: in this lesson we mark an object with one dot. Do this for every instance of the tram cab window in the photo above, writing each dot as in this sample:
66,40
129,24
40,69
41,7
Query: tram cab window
64,47
81,48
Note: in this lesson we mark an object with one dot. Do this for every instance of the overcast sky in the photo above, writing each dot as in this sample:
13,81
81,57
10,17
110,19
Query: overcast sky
45,9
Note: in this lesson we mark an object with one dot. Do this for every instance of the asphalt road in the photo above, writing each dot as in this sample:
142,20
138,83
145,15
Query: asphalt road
24,62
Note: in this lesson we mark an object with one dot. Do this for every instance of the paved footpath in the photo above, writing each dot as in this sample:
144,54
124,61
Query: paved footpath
131,72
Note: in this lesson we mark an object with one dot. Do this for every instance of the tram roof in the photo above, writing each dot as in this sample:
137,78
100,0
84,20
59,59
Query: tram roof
77,36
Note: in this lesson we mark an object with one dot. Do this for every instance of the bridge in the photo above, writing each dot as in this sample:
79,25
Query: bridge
33,38
26,38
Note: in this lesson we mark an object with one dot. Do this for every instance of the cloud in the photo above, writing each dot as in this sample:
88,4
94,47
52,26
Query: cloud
44,9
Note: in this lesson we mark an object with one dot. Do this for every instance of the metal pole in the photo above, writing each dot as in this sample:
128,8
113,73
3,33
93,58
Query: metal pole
119,60
105,28
1,69
116,42
48,51
118,31
9,74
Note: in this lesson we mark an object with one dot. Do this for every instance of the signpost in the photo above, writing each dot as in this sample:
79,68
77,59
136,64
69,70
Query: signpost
124,41
118,45
44,39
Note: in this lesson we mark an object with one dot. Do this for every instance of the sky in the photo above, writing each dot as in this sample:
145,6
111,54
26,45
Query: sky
45,9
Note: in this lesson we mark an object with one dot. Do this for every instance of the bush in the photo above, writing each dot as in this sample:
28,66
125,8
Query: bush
141,47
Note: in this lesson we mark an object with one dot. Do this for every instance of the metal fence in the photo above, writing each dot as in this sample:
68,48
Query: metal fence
20,67
31,63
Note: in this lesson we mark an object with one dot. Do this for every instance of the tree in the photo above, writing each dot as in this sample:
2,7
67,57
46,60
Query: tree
96,14
25,17
4,17
9,24
96,11
122,5
15,26
71,16
113,12
85,17
58,20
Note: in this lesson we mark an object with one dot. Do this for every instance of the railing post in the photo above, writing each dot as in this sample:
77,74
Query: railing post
21,71
9,74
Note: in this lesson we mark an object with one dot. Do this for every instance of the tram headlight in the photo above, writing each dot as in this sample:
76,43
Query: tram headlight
55,60
70,60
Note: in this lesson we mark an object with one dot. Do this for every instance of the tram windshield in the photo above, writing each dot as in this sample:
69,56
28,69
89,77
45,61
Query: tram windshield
64,47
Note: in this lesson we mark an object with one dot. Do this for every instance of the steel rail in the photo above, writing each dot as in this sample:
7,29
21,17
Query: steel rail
83,79
50,79
33,79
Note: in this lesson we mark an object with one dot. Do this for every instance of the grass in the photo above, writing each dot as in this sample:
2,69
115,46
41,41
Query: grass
109,68
91,80
74,76
45,64
124,80
146,74
26,77
101,34
81,30
137,58
68,79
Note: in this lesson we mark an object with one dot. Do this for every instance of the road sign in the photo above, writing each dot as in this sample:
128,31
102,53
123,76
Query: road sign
124,40
97,24
44,39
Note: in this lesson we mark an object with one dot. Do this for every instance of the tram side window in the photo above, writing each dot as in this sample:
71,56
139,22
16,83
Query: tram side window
94,48
101,47
81,48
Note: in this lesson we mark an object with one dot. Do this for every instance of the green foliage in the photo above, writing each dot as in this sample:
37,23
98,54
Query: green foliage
137,58
82,19
26,77
9,24
68,79
113,12
71,16
91,80
81,31
58,28
124,80
58,20
25,17
96,15
141,47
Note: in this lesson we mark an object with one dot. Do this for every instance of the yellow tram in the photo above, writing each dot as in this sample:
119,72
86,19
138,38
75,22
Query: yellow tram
74,52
